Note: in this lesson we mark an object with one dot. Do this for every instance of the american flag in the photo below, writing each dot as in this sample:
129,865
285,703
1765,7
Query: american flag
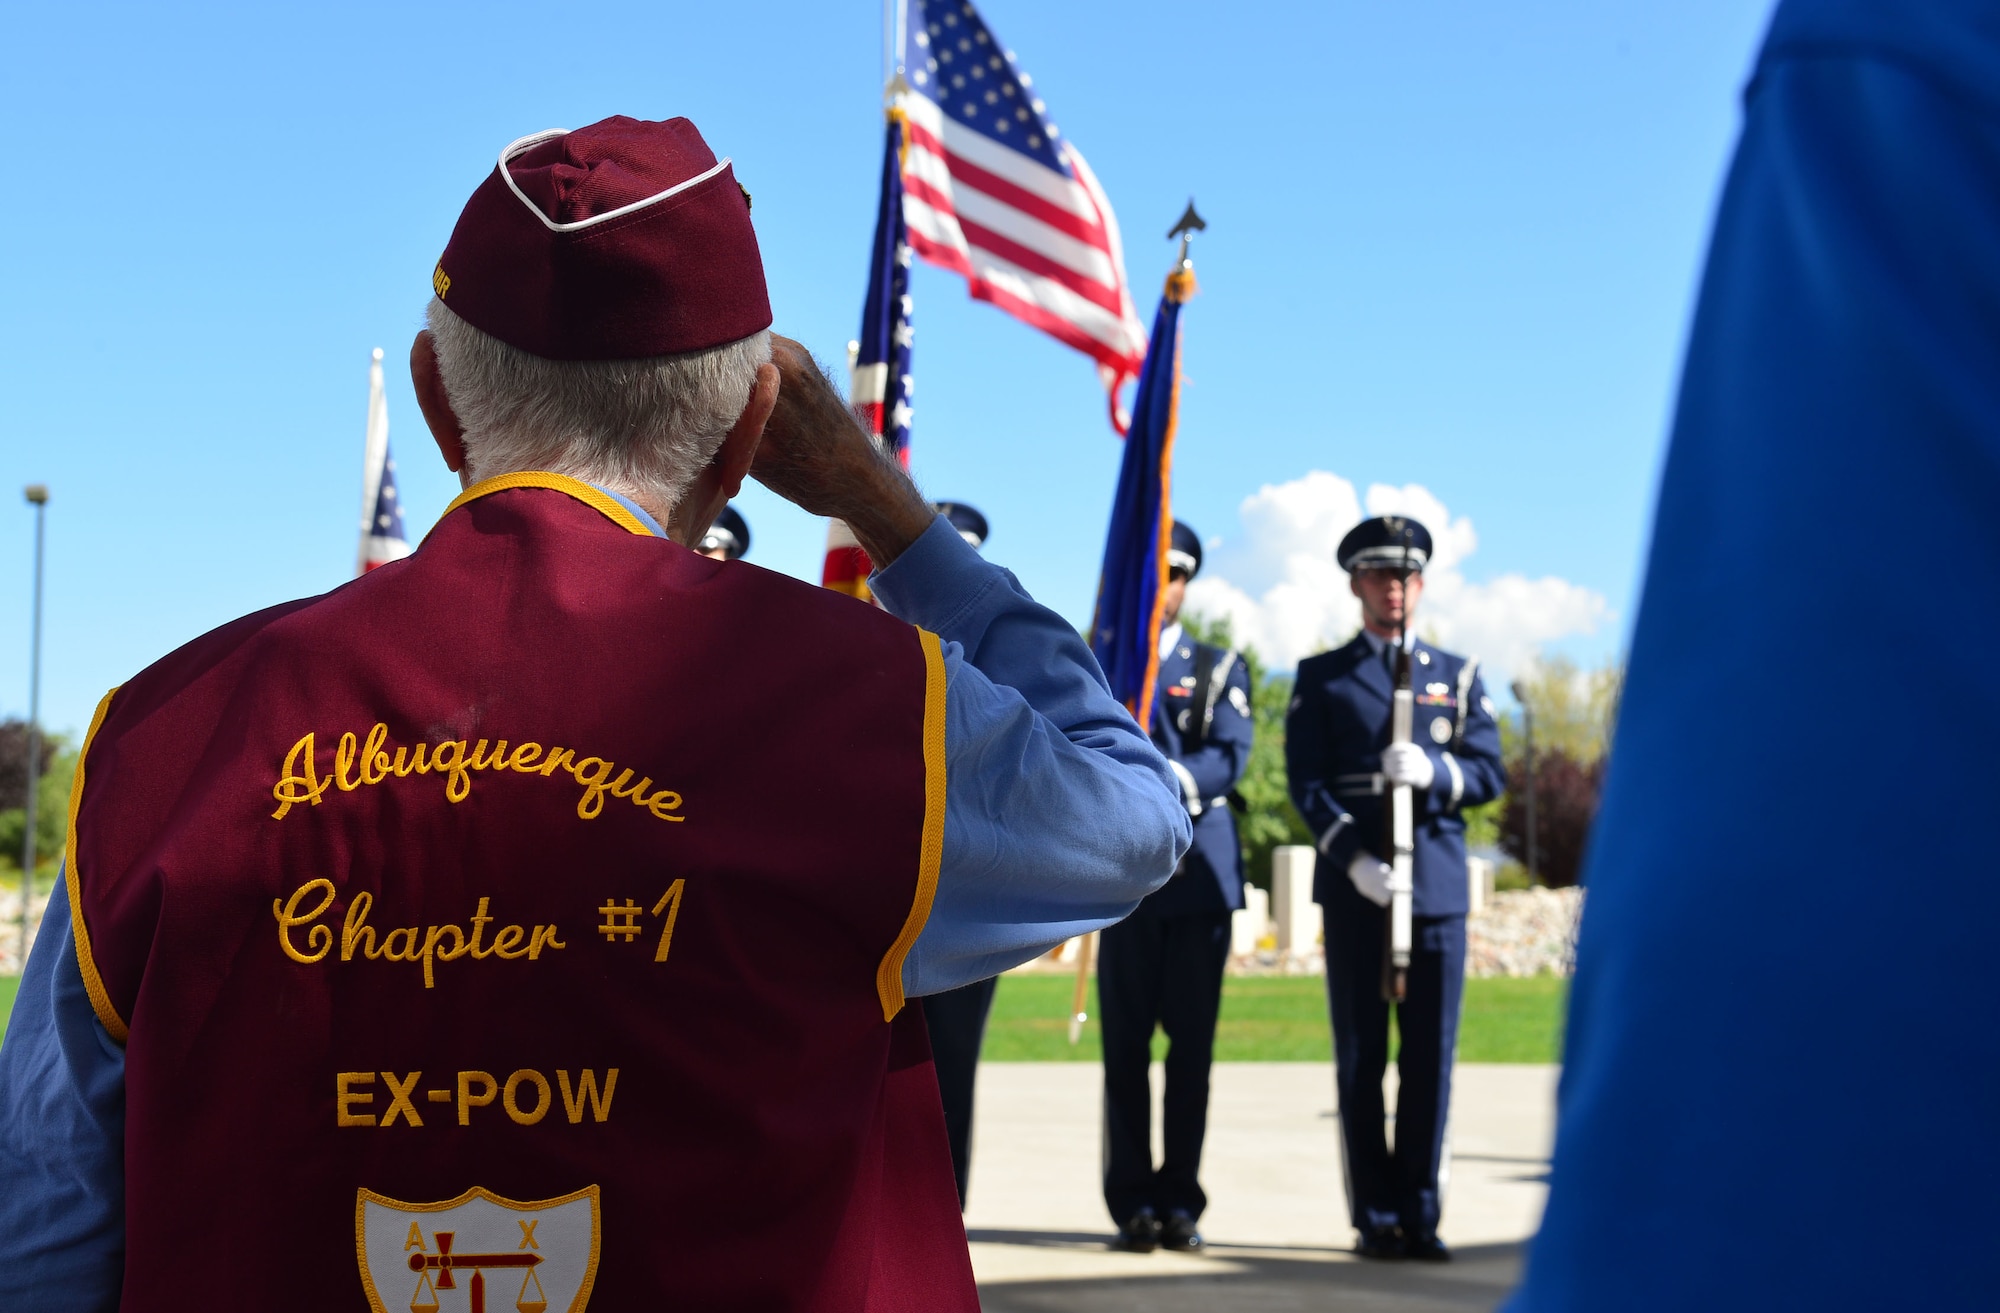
976,179
880,390
993,191
382,539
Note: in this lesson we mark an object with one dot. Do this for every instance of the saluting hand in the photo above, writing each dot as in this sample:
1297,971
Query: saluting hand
815,454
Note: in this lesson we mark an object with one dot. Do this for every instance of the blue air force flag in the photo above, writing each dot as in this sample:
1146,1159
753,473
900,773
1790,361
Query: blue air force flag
1125,632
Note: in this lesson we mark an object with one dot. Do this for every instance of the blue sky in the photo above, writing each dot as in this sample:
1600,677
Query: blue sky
1452,245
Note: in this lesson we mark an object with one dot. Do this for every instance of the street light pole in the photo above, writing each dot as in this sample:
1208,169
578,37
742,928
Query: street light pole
1528,734
38,497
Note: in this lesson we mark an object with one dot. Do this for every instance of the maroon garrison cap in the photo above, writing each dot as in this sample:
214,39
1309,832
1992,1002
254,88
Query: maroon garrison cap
623,239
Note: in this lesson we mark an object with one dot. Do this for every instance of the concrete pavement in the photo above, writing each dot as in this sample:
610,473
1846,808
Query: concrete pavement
1277,1224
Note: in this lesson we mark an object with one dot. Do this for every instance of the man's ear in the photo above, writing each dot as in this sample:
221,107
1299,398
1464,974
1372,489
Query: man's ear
1354,584
739,449
722,478
431,399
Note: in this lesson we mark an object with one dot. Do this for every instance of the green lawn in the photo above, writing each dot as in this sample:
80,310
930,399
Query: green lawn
1264,1019
8,984
1278,1019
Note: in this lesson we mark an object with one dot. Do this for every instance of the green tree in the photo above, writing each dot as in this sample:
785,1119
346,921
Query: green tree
1482,824
1575,709
14,760
1575,713
51,815
1268,818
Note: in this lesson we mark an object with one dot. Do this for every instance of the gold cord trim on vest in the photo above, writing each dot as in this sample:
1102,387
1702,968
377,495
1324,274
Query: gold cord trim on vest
577,488
93,984
889,976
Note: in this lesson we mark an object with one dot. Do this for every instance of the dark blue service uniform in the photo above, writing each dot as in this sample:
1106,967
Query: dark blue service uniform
956,1020
1334,736
1163,964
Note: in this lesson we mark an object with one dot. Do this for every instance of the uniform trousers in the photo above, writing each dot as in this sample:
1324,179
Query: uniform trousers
957,1022
1399,1187
1165,971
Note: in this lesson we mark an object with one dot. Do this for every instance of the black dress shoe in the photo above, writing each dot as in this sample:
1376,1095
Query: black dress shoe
1379,1242
1426,1249
1140,1234
1179,1232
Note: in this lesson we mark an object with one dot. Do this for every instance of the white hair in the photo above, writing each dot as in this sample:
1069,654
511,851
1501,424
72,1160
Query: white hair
646,426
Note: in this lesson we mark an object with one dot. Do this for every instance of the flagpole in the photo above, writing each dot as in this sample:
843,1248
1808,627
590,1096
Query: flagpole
374,450
895,25
38,497
1079,1003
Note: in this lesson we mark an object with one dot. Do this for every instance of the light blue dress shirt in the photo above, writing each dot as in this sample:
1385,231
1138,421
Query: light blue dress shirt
1059,817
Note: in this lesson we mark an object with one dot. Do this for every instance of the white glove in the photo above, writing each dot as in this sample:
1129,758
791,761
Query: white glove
1371,875
1406,763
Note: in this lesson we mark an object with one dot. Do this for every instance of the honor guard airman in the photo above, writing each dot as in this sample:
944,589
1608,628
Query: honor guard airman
1162,966
957,1017
1341,767
728,539
532,919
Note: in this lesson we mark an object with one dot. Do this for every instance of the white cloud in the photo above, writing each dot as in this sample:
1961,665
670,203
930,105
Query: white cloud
1279,587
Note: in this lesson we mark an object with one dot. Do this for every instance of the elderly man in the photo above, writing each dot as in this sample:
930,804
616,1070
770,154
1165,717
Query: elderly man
532,920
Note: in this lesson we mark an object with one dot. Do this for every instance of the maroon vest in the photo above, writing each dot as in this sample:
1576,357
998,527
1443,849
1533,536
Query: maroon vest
521,926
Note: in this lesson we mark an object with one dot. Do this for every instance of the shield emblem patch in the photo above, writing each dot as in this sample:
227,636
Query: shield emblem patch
478,1253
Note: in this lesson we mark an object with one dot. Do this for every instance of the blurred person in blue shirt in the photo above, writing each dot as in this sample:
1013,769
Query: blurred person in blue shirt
1782,1085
